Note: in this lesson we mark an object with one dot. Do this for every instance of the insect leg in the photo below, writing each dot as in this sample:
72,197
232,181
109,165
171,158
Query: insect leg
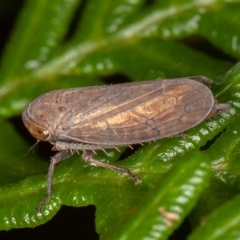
219,108
60,156
204,80
88,156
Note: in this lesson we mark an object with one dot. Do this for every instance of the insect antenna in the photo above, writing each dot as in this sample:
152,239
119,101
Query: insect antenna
33,147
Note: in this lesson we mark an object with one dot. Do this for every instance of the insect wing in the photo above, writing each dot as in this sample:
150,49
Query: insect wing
133,113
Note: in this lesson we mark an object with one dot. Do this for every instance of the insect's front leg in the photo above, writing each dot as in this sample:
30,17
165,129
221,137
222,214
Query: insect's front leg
60,156
88,156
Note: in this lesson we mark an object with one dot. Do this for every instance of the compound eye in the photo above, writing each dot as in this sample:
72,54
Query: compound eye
38,132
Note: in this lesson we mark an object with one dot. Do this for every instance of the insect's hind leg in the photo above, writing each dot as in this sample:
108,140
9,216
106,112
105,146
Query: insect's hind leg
88,156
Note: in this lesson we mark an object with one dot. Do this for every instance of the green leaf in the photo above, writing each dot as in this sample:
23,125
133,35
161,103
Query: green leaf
36,36
222,224
224,155
163,208
15,163
71,43
67,58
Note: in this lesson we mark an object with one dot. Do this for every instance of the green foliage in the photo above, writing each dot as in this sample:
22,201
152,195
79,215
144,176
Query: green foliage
187,177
